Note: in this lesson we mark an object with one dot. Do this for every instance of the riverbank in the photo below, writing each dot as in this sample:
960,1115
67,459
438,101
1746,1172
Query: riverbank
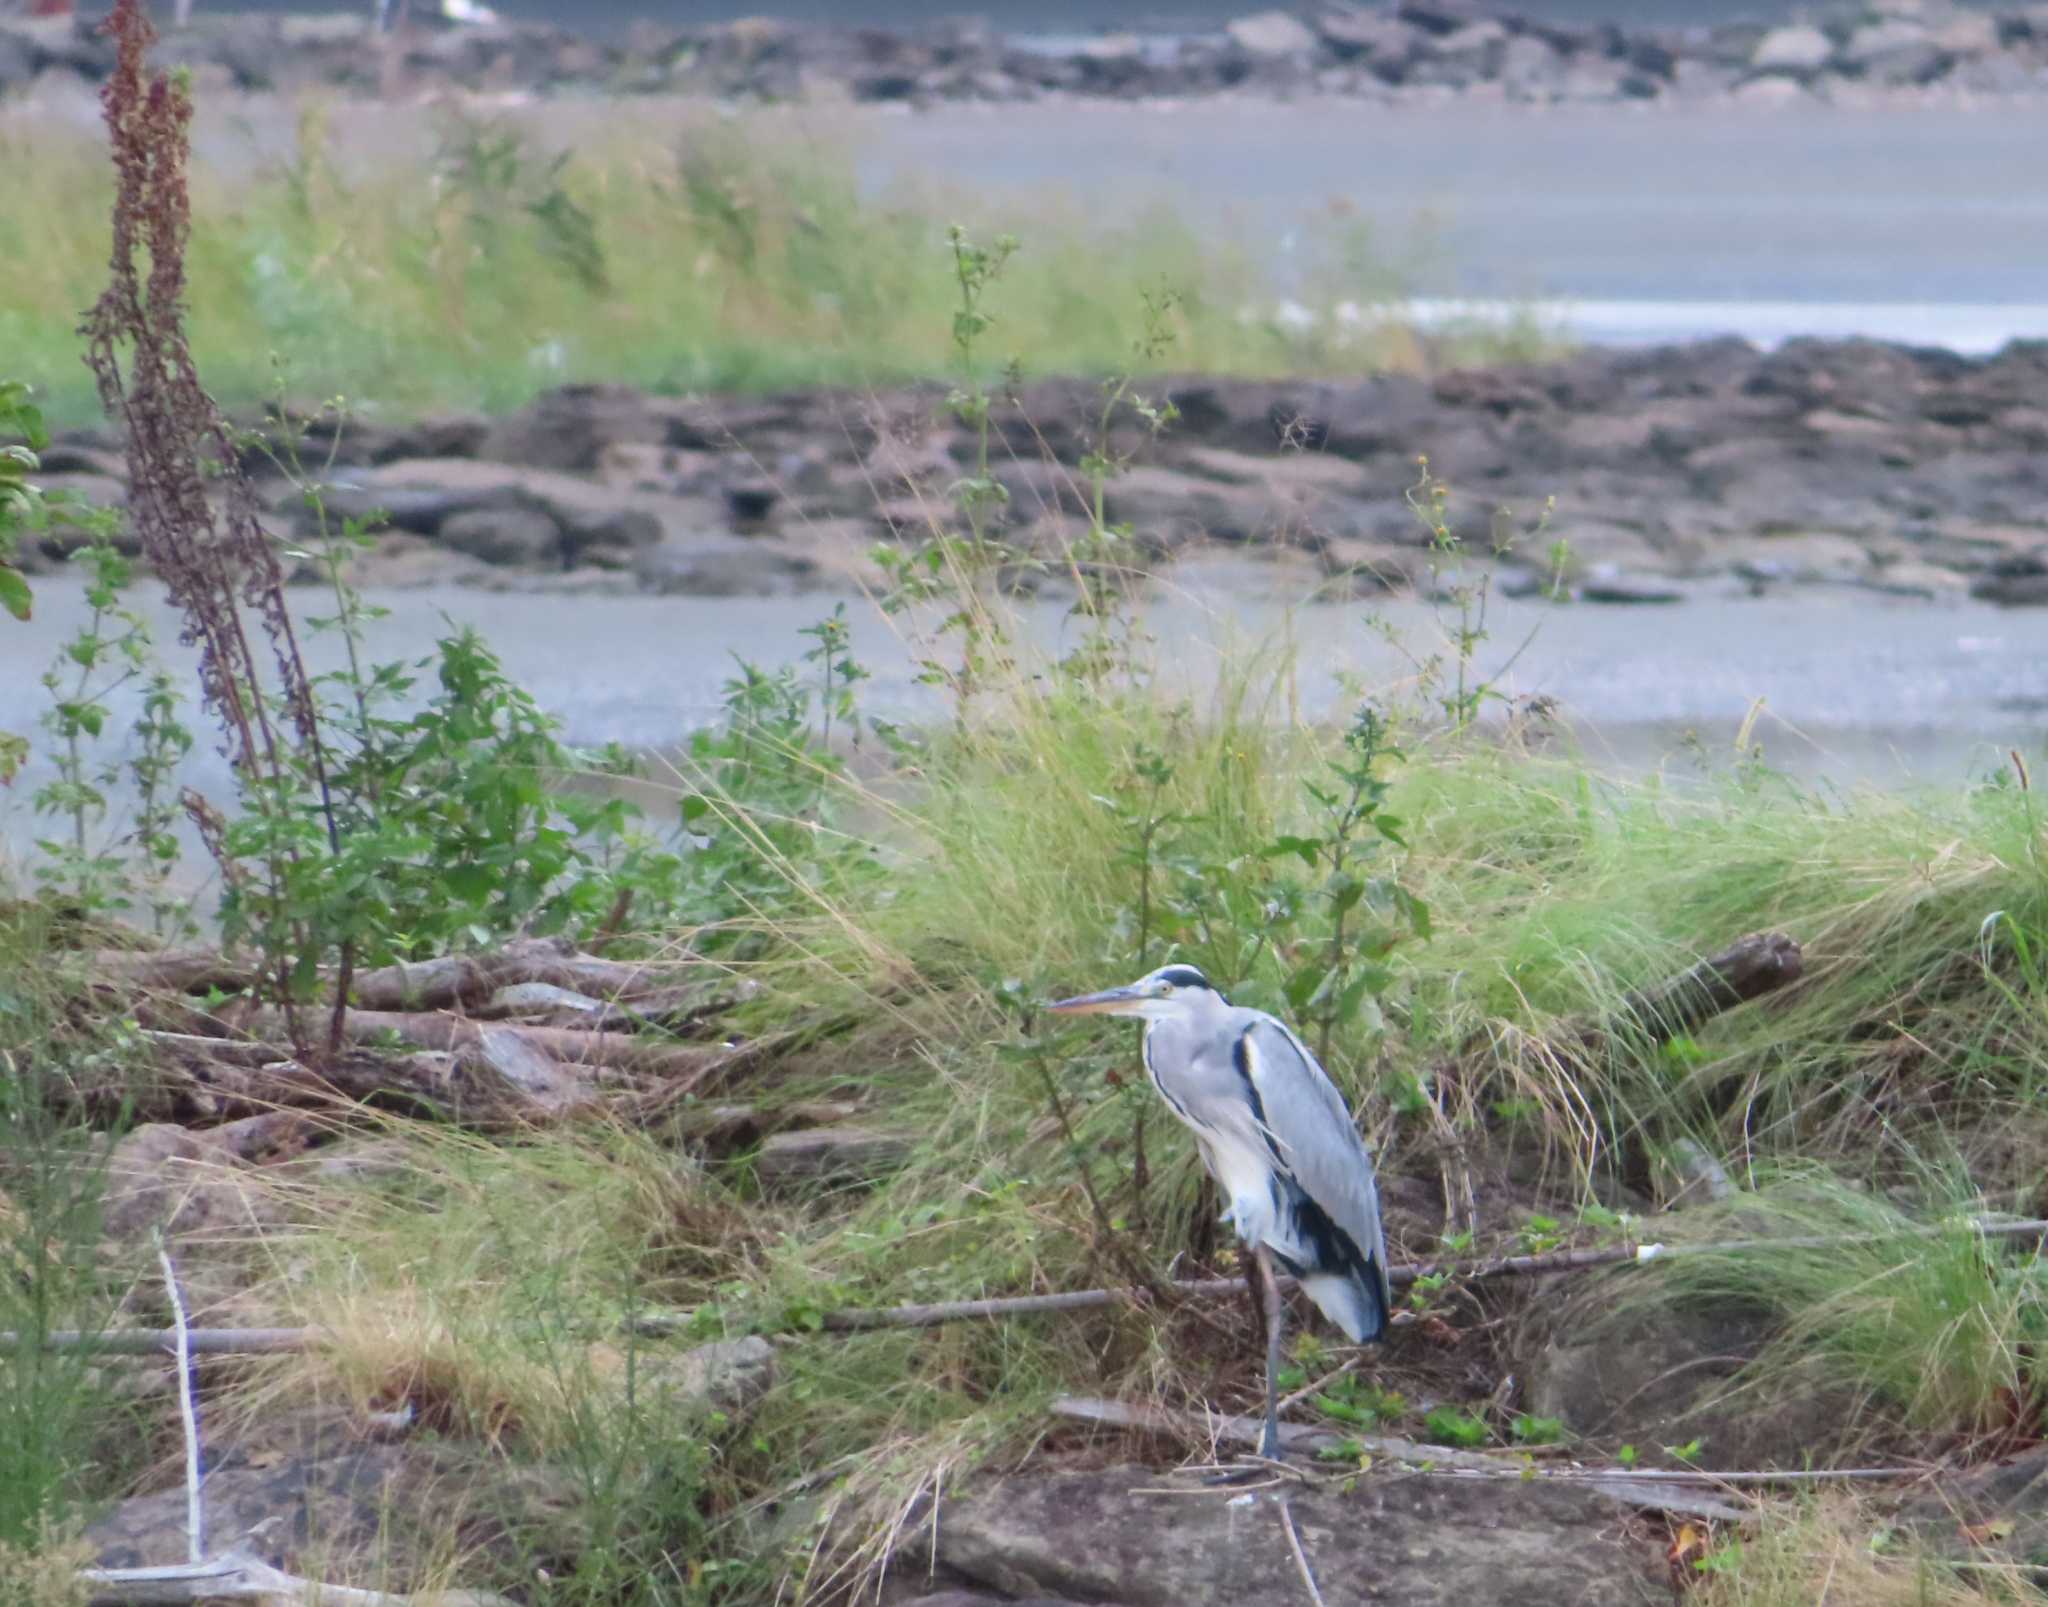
1412,50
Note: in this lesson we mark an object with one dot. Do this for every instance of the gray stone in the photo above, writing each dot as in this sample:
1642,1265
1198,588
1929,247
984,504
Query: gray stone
728,1376
2000,1509
1621,587
1880,39
513,533
1799,49
347,1510
569,428
828,1155
208,1205
1391,1542
2018,581
1271,34
722,566
1662,1375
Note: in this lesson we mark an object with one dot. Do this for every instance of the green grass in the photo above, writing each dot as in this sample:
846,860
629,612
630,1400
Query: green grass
487,1277
714,255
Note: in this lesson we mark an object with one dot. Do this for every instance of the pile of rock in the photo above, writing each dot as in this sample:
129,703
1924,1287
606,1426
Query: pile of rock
1405,50
1706,467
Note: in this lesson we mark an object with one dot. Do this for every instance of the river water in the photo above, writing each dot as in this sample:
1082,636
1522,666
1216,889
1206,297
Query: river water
1853,689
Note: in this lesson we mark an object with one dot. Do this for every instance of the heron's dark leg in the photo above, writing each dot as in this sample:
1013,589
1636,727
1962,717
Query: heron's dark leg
1269,1441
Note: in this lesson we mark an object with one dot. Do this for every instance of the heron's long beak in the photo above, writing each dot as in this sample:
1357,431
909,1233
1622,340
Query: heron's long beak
1114,1002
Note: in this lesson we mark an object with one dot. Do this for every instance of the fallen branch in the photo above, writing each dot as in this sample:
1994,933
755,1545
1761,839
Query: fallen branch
188,1411
1746,970
425,985
238,1576
569,1045
223,1341
1199,1428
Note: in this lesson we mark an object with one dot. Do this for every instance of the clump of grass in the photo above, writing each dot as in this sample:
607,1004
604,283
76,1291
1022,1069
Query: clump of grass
1837,1550
1934,1333
703,255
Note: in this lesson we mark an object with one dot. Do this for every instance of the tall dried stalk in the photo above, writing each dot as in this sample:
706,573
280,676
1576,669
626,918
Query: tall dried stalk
212,554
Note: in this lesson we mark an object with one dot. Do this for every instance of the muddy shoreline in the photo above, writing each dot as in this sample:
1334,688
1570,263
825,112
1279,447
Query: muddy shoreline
1701,470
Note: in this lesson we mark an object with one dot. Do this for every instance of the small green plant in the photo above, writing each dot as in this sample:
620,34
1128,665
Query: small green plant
838,673
955,570
1449,1425
1527,1430
1336,987
108,653
1099,570
1470,598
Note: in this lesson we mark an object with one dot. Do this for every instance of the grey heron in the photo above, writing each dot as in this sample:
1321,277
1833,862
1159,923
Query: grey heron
1278,1139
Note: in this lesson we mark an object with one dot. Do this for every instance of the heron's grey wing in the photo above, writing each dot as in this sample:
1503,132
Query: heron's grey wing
1313,1135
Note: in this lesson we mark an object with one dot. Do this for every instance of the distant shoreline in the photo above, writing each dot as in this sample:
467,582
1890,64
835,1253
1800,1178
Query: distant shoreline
1892,53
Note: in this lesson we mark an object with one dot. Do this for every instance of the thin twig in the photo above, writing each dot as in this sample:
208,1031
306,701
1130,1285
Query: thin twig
195,1513
1300,1557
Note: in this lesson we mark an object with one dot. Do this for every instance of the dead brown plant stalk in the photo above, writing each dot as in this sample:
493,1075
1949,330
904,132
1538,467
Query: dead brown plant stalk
214,557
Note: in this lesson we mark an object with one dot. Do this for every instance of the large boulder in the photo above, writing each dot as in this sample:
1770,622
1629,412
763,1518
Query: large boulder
1662,1374
1799,49
208,1206
1393,1541
1272,35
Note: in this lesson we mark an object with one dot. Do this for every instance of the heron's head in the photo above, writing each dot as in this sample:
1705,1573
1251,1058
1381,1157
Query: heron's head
1167,991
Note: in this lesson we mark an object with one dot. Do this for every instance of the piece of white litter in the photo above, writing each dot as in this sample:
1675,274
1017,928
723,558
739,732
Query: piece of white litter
1648,1252
1244,1500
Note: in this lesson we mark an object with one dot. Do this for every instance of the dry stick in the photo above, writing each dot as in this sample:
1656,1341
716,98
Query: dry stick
1300,1557
1436,1460
230,1341
195,1512
420,985
238,1575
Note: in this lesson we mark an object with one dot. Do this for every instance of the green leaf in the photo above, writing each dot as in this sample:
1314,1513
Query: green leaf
1529,1430
1447,1425
15,596
13,755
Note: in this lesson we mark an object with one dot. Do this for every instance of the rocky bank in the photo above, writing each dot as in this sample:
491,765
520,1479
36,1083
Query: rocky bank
1409,49
1703,469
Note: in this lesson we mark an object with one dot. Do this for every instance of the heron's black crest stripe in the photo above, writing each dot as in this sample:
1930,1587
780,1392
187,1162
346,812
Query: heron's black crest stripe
1183,976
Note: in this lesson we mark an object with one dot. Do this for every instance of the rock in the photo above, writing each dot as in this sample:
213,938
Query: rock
345,1509
1799,49
510,534
1770,91
1392,1542
2019,581
208,1205
789,1161
1437,16
2000,1509
1660,1375
1618,586
569,428
721,566
728,1376
1880,39
1271,34
1356,34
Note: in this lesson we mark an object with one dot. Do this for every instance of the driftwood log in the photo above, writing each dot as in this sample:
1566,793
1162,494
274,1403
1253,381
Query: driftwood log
438,984
1747,969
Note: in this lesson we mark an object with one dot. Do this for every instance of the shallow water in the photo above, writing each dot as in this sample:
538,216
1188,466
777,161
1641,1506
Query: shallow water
1853,689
